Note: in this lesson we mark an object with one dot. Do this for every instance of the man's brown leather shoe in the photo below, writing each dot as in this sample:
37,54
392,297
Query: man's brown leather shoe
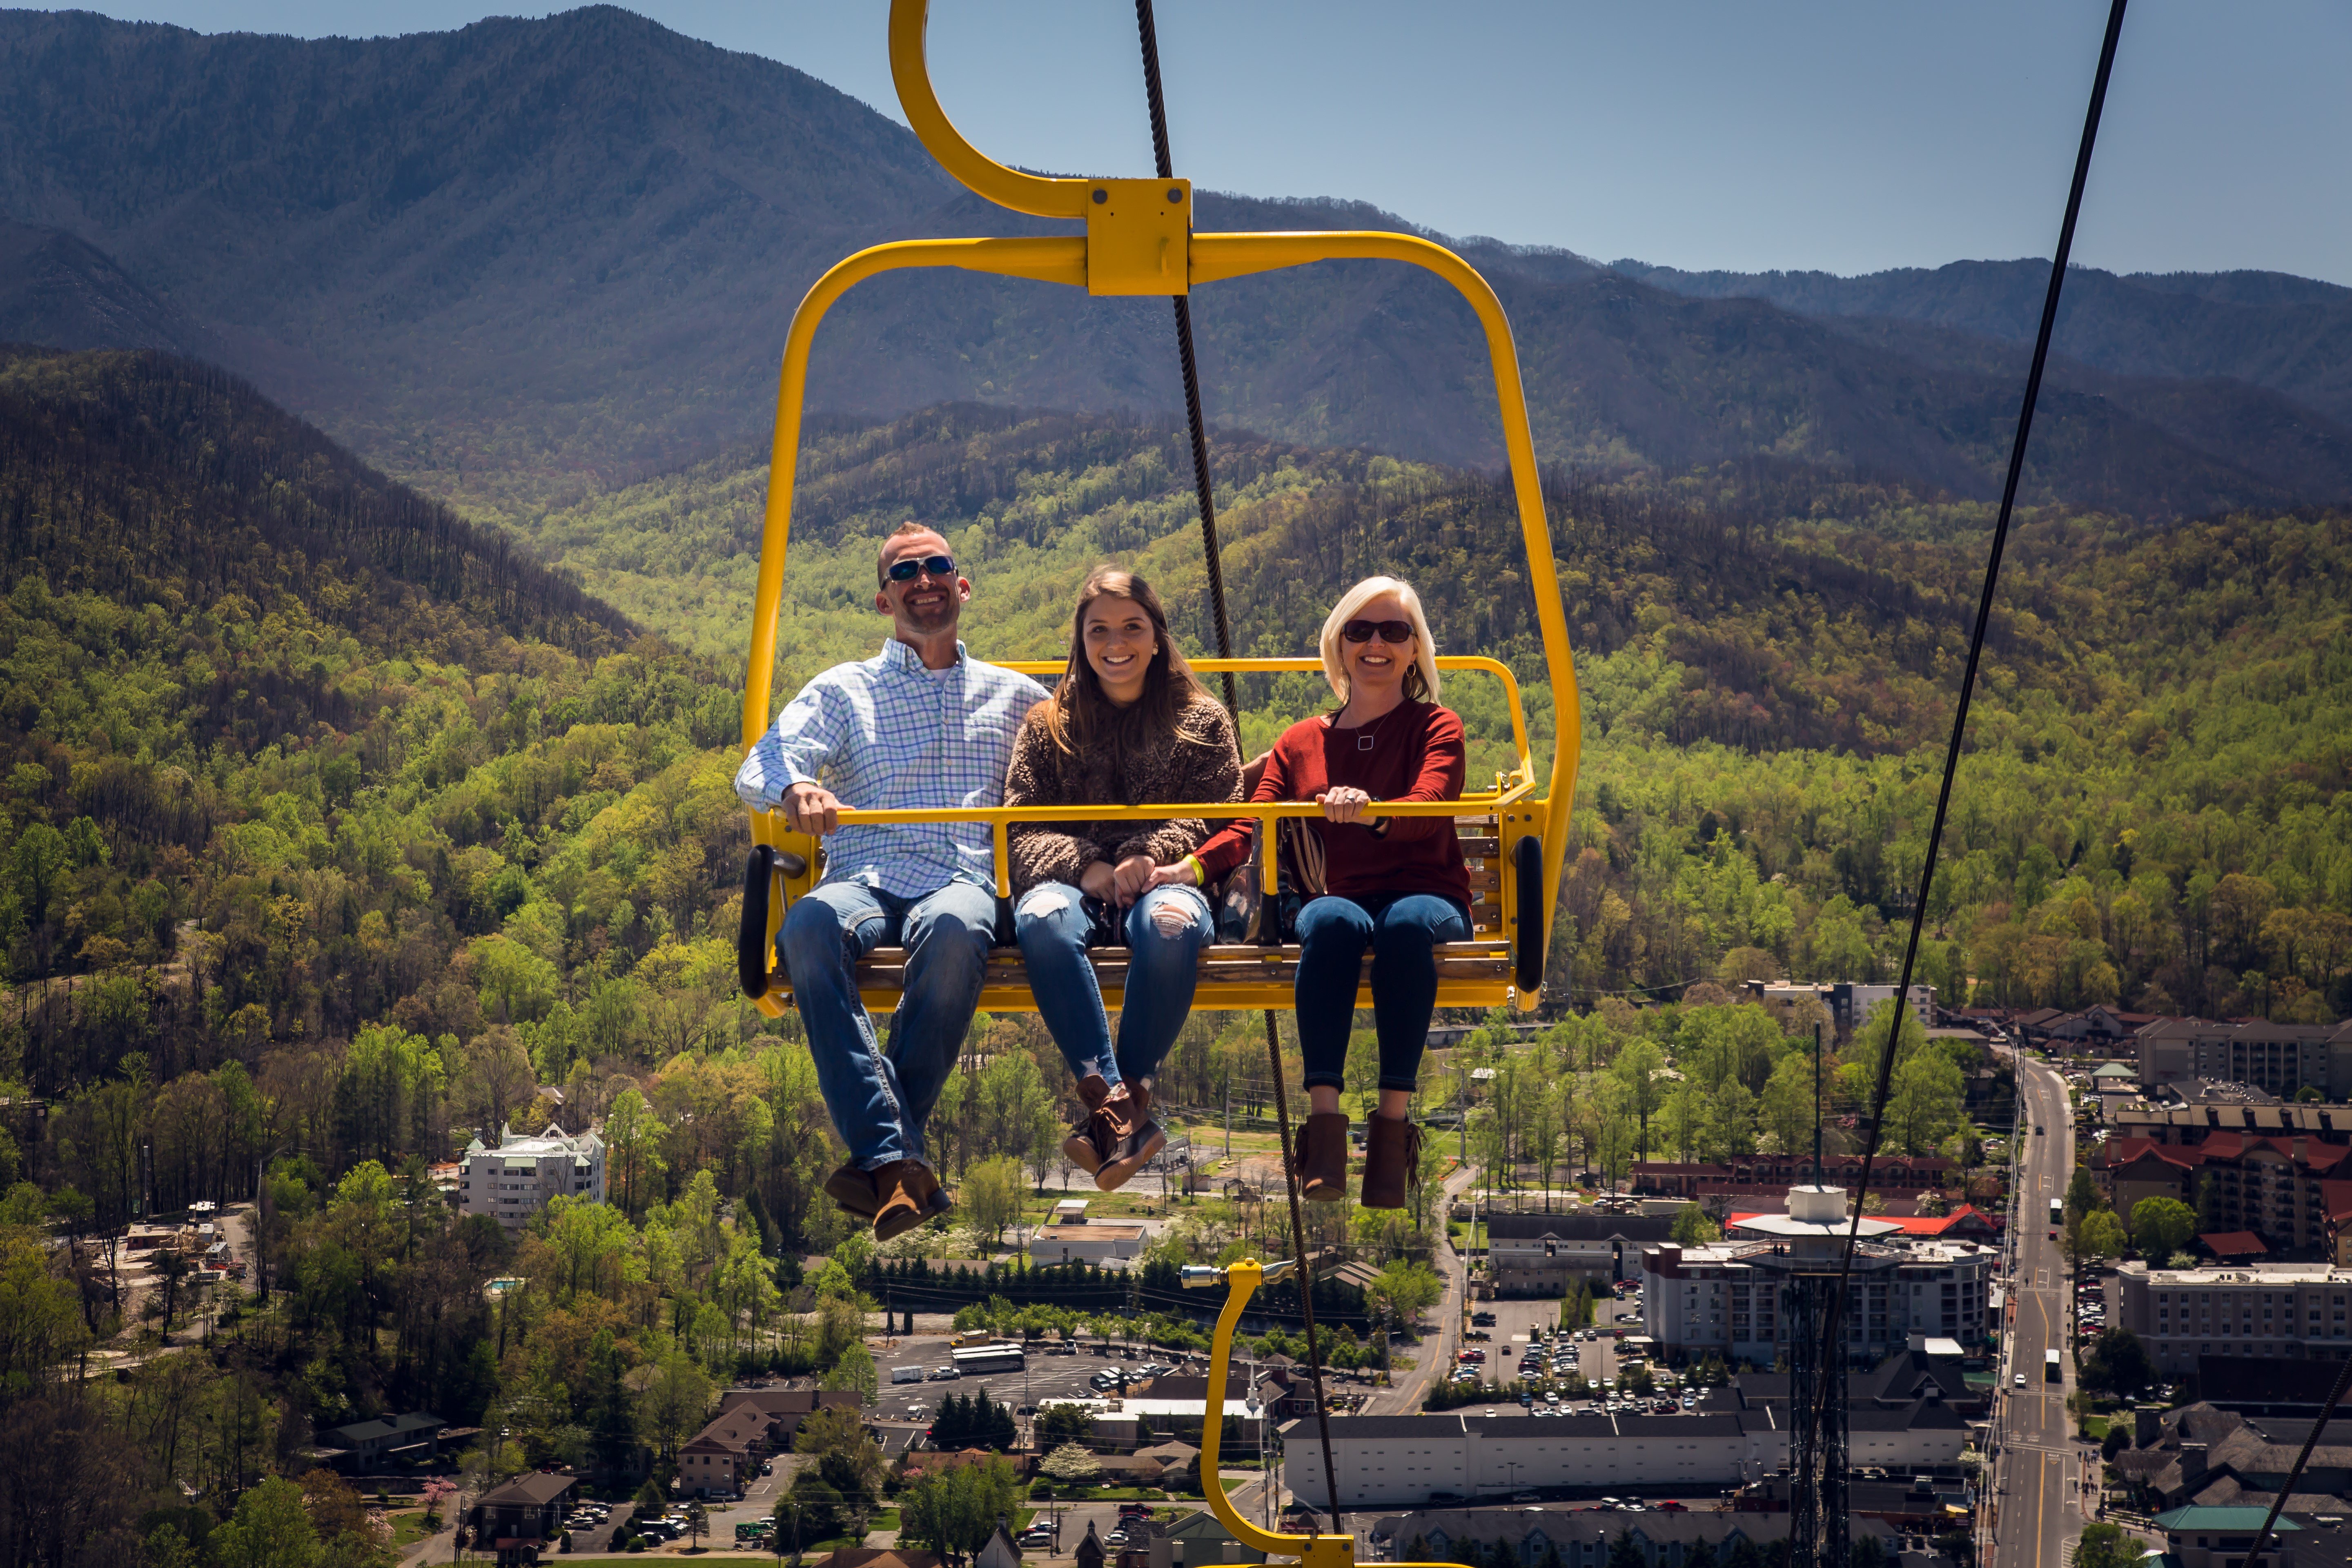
905,1188
852,1189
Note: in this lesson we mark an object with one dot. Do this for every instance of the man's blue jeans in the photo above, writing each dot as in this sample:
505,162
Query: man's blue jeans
1163,969
1402,930
879,1102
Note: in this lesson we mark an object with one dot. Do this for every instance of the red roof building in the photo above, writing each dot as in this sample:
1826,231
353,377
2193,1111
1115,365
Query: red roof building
2269,1185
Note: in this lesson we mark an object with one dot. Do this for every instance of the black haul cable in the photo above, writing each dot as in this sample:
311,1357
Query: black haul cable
1305,1278
1831,1336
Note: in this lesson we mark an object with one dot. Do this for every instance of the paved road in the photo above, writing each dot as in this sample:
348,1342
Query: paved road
2039,1475
1435,1355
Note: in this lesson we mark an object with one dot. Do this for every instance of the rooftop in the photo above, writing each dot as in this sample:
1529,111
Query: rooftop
1087,1230
2218,1519
554,1140
1815,1211
2243,1274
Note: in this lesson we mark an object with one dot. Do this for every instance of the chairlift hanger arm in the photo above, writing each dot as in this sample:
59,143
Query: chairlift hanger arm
1241,1280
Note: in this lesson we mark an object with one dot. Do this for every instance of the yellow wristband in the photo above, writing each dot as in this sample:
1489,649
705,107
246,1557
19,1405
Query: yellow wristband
1200,872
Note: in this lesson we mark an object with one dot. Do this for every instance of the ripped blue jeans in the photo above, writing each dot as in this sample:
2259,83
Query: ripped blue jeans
1166,929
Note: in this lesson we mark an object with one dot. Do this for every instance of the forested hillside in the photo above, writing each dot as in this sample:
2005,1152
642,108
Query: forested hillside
333,831
1767,656
529,257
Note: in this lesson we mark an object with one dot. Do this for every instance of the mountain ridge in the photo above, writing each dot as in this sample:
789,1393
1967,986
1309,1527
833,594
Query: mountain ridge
527,255
2133,323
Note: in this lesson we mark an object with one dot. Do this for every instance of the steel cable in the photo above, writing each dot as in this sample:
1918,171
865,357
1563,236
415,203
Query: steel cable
1831,1328
2287,1490
1204,491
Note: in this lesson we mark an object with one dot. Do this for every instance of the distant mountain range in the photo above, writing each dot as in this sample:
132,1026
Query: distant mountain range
495,257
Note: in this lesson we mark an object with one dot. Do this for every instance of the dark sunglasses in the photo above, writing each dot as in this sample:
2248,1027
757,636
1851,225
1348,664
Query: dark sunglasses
903,570
1388,631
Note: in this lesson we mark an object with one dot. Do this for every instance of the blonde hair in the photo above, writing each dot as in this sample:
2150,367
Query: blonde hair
1424,673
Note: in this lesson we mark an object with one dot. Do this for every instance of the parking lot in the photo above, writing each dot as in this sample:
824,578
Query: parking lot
1511,1336
1048,1378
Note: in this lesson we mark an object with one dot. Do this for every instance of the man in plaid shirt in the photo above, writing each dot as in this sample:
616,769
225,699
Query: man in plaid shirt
921,725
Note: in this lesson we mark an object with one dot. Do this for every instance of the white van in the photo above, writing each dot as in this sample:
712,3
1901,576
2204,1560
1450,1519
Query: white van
906,1375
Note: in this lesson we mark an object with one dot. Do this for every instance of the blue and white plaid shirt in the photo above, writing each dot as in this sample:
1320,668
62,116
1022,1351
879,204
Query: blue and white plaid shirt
890,734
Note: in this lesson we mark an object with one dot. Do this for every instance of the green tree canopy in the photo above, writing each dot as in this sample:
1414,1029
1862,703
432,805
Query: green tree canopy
2162,1227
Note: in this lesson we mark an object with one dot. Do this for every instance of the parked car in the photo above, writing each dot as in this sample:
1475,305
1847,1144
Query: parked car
944,1374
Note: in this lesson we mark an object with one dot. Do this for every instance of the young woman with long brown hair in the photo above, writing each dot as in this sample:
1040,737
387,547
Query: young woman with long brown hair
1127,723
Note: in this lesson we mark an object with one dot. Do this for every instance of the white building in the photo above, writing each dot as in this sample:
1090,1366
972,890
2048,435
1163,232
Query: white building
1850,1003
1539,1254
513,1182
2294,1310
1091,1242
1726,1298
1385,1461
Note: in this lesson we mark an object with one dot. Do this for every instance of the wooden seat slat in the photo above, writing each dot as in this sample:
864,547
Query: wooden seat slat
884,968
896,957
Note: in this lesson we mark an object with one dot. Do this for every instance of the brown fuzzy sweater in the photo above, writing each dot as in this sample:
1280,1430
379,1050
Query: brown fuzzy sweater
1198,762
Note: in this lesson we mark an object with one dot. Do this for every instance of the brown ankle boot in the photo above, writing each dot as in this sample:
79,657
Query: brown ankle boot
904,1189
1083,1147
1139,1137
1391,1156
1321,1167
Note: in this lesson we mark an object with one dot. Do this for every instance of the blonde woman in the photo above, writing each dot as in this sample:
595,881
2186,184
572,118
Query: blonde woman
1395,886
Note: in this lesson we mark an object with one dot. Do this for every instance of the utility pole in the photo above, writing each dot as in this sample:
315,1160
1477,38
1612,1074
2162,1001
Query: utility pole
1462,1104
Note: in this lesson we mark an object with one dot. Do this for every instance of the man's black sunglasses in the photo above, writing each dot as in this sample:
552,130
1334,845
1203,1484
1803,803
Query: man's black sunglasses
1390,631
903,570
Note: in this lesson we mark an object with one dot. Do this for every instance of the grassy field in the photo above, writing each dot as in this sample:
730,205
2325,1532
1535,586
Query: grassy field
409,1529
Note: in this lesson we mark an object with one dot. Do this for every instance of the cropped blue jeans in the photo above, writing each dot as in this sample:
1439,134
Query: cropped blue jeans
1166,929
1402,930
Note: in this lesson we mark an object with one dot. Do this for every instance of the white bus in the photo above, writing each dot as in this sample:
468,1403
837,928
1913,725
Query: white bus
972,1360
2050,1370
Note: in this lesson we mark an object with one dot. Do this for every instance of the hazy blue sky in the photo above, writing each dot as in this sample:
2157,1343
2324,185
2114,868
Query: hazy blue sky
1844,136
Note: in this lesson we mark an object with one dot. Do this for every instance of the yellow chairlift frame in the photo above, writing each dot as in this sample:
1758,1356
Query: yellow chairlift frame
1138,239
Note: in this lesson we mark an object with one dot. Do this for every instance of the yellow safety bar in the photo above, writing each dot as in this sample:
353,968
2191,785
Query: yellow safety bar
1138,239
1242,1280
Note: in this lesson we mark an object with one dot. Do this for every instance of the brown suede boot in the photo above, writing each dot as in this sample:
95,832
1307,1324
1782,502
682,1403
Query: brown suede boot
905,1188
1140,1137
1321,1167
1082,1147
852,1189
1391,1156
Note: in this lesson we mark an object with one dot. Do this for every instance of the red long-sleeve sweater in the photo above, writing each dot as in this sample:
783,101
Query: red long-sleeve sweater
1413,752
